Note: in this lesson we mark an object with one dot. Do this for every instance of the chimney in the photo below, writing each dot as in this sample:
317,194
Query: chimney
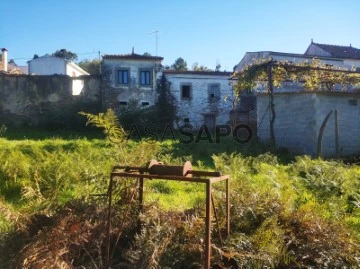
4,59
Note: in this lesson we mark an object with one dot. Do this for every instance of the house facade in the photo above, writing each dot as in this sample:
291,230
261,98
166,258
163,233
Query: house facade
340,56
130,79
51,65
203,98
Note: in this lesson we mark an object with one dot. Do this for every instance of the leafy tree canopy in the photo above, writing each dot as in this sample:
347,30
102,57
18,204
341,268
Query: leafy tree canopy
179,65
65,54
218,67
91,66
197,67
147,54
12,62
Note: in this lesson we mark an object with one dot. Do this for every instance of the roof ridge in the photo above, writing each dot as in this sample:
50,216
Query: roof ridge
335,45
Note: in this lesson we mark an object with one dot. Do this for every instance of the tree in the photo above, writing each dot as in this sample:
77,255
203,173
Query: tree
91,66
166,103
65,54
196,67
147,54
179,65
12,62
218,67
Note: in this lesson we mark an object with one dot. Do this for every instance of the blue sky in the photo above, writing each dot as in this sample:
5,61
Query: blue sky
200,31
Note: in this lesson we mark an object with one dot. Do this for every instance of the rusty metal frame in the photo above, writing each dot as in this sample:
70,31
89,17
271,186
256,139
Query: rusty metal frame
197,177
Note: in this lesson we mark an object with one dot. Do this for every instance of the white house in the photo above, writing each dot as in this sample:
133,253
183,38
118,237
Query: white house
341,56
50,65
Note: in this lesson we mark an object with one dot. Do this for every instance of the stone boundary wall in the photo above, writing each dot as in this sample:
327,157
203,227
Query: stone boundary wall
46,101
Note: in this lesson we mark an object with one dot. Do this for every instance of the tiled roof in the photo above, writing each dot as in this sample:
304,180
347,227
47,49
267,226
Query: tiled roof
13,69
348,52
132,56
208,73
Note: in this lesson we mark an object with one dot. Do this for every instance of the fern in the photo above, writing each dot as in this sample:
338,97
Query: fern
109,122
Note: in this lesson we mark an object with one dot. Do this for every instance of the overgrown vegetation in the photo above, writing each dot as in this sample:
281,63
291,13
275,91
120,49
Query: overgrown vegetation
285,212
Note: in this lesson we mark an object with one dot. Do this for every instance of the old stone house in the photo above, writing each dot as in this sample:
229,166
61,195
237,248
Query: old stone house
300,115
201,97
130,78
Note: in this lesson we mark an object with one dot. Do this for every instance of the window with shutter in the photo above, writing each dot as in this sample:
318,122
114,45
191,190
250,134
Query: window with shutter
214,92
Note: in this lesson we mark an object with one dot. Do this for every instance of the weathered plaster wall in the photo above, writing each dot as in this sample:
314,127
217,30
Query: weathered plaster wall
299,117
115,93
199,105
47,65
42,100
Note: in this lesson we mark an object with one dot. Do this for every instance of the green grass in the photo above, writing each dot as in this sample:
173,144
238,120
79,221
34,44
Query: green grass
283,208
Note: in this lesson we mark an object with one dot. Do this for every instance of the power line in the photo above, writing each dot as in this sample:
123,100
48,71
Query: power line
86,53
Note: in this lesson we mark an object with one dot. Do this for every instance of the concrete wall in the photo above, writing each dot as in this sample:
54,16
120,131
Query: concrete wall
299,117
348,107
50,65
199,104
45,100
115,93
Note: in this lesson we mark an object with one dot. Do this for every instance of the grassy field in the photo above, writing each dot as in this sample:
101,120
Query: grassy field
286,211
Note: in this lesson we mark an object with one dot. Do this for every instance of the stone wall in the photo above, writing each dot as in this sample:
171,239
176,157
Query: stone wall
299,117
46,100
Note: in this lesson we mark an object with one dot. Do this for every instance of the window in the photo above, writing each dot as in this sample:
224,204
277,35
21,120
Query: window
353,102
145,103
123,103
145,77
186,91
214,92
123,76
